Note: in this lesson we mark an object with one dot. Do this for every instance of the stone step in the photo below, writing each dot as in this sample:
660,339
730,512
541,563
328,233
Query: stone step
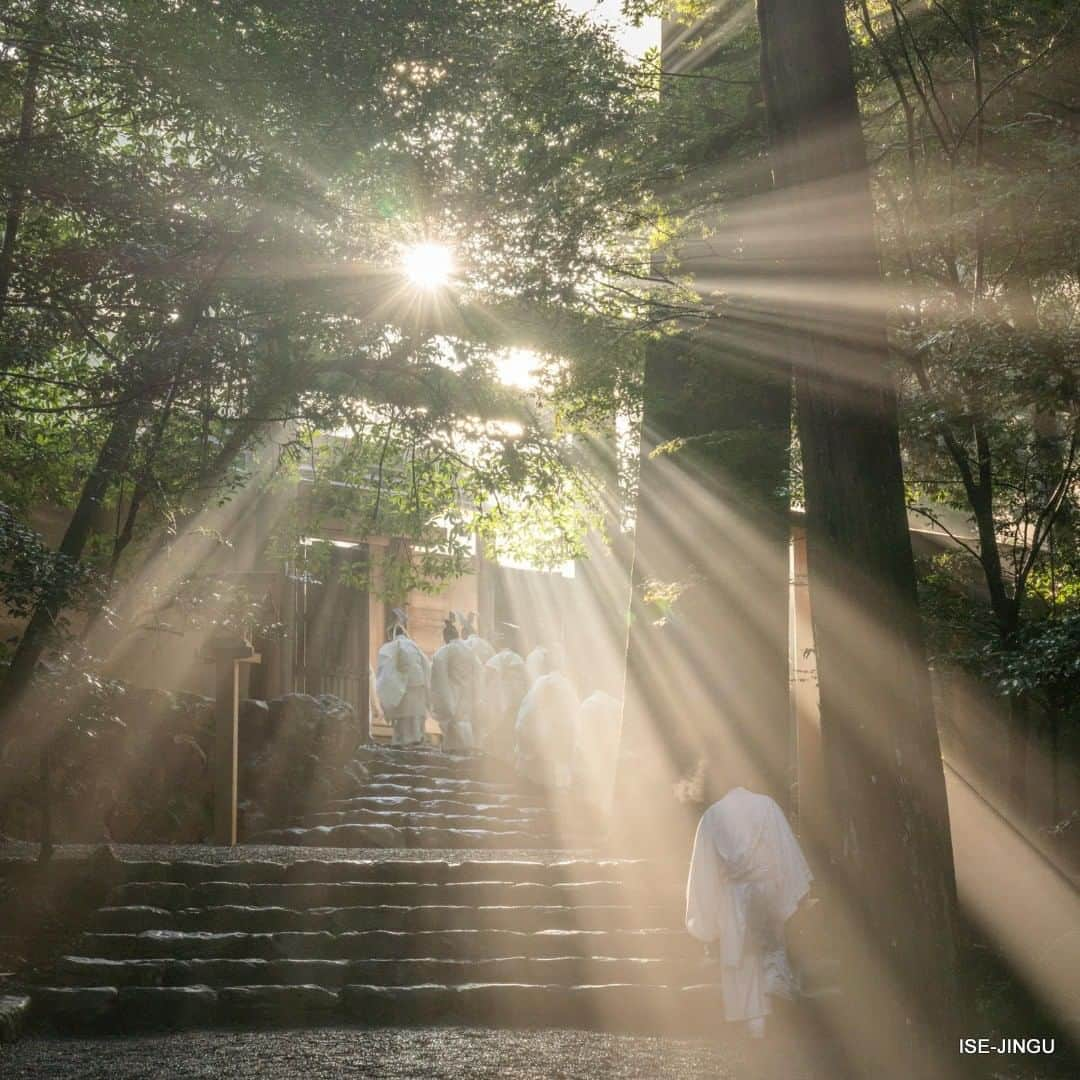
169,894
507,806
634,873
530,918
15,1011
445,784
357,836
510,806
414,755
614,1006
387,944
406,820
466,790
487,772
386,836
561,970
108,1009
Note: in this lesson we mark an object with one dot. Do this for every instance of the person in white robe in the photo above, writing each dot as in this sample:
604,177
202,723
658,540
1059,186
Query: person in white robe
481,647
543,660
597,752
505,685
470,634
748,875
456,690
402,683
545,734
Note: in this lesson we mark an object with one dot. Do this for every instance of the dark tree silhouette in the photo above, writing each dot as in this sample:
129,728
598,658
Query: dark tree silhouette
890,846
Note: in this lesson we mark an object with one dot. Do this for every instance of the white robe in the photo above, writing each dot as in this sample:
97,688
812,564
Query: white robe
596,756
456,690
402,683
483,648
505,685
747,877
546,731
541,661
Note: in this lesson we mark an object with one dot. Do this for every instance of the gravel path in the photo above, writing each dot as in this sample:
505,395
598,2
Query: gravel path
390,1054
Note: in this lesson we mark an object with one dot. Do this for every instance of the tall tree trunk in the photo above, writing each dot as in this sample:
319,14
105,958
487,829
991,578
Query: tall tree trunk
21,154
891,866
706,693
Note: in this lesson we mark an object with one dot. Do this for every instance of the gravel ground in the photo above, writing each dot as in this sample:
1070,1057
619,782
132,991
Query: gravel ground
393,1054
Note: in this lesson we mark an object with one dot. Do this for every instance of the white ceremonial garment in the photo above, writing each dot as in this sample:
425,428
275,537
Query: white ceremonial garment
541,661
545,735
402,683
596,756
483,648
456,688
747,877
505,685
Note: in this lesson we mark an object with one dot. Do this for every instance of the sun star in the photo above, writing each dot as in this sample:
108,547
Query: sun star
428,265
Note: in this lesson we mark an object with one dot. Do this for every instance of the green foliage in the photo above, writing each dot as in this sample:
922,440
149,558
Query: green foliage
211,206
968,112
1045,662
30,572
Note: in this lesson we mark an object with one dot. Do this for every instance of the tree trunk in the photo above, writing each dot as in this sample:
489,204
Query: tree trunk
706,694
891,865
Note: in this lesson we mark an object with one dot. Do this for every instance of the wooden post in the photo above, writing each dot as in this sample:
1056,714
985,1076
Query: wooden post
226,731
227,657
810,767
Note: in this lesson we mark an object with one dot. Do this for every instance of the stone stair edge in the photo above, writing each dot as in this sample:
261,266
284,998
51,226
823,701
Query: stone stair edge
613,1006
77,971
533,918
14,1014
365,944
249,870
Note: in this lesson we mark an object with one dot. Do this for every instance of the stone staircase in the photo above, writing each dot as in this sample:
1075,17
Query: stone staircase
545,938
421,798
389,941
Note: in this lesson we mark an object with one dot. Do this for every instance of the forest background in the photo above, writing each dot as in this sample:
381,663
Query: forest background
204,212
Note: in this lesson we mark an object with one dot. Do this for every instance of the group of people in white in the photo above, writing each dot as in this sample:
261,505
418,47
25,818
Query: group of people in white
522,709
748,874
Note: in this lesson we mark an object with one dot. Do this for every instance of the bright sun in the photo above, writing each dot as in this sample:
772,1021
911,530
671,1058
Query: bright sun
428,265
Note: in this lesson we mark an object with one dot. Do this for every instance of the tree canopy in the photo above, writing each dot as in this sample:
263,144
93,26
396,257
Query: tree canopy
207,206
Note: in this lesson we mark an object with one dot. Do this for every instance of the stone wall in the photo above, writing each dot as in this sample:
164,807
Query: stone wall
296,753
142,771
